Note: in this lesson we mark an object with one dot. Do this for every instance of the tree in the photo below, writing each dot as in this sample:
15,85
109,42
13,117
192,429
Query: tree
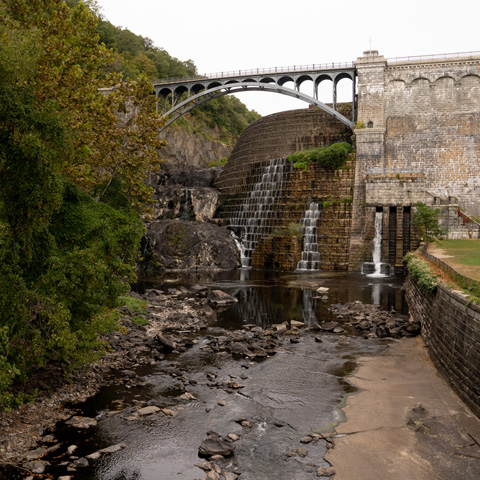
69,71
425,218
75,148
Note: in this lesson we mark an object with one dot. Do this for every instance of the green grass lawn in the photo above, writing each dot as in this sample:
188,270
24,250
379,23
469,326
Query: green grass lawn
464,252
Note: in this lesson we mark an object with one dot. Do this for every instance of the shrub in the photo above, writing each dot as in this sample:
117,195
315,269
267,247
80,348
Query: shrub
291,230
420,270
57,302
426,219
332,157
218,163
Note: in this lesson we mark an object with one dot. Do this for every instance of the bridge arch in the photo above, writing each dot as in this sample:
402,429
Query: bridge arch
214,90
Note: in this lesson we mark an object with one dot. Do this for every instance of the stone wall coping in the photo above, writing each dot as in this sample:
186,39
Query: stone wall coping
461,297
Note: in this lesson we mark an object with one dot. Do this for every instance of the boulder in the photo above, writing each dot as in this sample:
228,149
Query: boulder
191,204
217,297
183,245
214,445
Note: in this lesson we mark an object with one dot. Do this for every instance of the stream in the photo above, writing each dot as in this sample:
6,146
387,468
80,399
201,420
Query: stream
281,399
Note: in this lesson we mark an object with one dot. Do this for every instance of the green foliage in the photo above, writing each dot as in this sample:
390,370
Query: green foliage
425,218
8,372
140,320
134,56
332,157
293,229
420,270
227,115
218,163
136,305
71,185
359,125
176,238
58,303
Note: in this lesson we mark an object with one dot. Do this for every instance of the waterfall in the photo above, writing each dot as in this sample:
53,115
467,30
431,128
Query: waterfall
186,211
258,215
310,255
380,269
377,242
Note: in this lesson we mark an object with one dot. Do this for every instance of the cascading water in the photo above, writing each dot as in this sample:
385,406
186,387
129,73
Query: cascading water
380,269
377,242
310,254
258,216
186,212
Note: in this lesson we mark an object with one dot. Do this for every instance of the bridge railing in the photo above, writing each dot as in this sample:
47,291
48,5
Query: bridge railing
258,71
437,56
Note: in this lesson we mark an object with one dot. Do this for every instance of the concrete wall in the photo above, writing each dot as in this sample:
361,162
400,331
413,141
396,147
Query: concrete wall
451,331
458,225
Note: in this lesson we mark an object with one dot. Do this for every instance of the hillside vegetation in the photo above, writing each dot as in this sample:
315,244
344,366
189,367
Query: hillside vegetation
133,55
71,187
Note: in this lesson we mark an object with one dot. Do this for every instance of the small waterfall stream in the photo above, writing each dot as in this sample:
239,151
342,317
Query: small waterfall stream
310,254
258,215
377,242
380,269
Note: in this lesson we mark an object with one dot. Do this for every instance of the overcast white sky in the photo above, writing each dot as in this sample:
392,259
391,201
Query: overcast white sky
220,36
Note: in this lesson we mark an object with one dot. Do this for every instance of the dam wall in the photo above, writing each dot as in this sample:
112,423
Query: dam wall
417,138
279,245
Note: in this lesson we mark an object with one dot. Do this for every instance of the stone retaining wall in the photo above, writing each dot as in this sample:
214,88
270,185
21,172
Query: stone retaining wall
451,331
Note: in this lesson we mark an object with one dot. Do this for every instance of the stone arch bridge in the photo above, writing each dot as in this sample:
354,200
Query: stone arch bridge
175,97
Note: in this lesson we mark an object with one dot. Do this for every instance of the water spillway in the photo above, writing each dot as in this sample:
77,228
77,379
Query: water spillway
275,230
259,214
377,242
265,218
377,268
310,254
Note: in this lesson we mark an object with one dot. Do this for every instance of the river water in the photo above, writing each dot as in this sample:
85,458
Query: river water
298,391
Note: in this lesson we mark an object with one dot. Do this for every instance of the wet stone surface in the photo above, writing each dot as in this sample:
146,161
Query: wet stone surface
250,387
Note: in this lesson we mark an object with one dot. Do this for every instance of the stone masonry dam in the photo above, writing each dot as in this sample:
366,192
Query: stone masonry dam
417,138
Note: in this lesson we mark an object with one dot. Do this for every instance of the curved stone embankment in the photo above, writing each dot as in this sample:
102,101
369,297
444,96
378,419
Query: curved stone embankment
406,423
277,136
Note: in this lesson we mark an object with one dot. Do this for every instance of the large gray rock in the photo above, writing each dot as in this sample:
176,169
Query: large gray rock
179,245
184,150
214,445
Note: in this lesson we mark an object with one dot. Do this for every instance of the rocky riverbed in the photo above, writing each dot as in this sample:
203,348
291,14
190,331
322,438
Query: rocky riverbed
179,320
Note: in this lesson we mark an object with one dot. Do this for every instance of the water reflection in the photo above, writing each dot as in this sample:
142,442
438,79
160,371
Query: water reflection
267,297
296,391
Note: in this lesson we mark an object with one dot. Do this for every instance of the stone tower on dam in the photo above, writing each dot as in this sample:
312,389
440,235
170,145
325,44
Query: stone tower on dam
417,138
421,142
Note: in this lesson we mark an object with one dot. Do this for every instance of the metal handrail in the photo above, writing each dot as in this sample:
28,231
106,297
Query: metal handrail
309,68
437,56
259,71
